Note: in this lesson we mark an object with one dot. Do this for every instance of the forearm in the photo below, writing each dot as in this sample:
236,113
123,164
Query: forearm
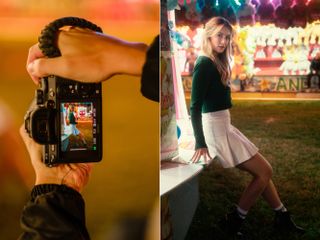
196,120
200,83
126,57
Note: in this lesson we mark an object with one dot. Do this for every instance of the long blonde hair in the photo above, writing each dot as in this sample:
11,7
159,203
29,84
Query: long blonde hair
223,60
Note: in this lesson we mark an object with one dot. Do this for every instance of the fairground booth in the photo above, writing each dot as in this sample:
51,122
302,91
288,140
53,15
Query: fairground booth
276,55
275,47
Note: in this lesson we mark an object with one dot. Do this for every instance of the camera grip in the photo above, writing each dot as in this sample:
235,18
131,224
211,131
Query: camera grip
47,38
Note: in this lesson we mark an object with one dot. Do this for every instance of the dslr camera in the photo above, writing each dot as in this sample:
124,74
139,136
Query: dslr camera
66,118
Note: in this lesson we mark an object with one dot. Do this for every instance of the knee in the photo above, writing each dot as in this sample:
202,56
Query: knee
266,173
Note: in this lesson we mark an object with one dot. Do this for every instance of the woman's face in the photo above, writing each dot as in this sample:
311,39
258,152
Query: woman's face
220,40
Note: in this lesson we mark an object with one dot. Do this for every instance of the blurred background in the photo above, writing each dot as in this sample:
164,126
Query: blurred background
125,184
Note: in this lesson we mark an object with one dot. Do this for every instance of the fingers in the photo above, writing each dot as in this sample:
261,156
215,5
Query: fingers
31,71
79,175
205,158
31,145
78,30
34,53
86,170
47,66
89,167
39,66
24,135
83,170
34,149
86,167
199,153
195,157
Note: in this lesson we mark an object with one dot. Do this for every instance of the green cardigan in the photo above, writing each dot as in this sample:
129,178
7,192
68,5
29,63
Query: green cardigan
208,95
72,119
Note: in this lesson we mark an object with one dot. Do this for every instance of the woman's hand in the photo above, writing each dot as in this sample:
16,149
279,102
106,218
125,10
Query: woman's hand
87,56
201,152
75,175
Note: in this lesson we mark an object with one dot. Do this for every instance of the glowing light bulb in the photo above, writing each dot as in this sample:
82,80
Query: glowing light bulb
237,2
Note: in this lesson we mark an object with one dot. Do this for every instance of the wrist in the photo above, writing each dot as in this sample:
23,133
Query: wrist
135,58
47,180
128,57
52,177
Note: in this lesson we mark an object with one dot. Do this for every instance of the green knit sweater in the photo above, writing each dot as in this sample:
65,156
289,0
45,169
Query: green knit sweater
208,95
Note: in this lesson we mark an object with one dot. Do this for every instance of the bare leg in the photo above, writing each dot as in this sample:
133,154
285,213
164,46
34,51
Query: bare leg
271,195
262,184
261,171
81,136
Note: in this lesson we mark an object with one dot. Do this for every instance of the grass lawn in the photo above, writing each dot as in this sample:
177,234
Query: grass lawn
288,135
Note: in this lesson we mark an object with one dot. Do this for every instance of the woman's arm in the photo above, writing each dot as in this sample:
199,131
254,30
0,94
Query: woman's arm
200,82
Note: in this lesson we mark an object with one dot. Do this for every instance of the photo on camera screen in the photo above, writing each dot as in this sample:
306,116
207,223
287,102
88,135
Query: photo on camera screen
77,126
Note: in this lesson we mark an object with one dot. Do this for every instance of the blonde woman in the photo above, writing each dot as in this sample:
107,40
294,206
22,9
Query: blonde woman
215,136
72,121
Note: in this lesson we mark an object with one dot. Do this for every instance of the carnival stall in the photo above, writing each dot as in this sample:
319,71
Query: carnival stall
275,43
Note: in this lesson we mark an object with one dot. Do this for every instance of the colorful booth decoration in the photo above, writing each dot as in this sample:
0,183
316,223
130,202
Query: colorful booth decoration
269,54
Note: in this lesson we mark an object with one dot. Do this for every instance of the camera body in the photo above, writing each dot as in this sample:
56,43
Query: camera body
66,118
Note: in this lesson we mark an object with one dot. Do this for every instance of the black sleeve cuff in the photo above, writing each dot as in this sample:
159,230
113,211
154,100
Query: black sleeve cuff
47,188
150,72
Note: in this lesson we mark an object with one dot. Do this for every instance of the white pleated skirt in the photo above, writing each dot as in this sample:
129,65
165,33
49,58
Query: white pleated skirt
225,141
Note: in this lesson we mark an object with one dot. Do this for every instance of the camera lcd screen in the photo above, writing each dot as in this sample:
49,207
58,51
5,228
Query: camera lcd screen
78,126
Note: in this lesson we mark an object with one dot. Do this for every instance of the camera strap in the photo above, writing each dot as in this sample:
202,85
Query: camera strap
48,36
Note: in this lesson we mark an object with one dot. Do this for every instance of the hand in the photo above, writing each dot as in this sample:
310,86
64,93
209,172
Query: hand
201,152
87,56
75,175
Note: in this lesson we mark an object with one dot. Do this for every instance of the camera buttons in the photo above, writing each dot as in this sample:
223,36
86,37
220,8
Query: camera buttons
50,104
39,95
53,148
72,89
51,93
52,158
